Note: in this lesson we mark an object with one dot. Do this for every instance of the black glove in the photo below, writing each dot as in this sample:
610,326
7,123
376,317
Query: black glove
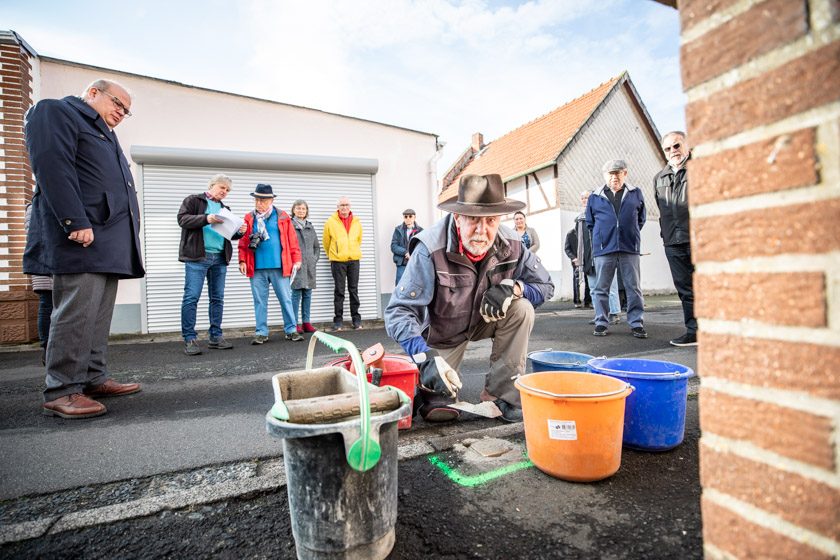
496,300
436,376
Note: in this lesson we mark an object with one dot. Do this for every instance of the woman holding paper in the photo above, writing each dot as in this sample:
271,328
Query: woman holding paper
205,254
310,250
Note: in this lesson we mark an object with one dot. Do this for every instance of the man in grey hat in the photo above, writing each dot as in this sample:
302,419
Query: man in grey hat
615,214
399,241
468,278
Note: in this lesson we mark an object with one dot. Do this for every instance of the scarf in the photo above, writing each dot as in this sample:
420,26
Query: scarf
346,221
261,218
472,258
298,221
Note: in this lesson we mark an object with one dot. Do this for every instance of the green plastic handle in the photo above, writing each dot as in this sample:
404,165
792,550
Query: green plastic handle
364,453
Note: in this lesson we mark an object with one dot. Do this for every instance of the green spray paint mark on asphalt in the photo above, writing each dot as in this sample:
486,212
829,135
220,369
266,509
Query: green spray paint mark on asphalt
478,479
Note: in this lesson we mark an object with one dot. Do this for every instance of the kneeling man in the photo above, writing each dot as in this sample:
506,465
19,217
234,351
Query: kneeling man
469,278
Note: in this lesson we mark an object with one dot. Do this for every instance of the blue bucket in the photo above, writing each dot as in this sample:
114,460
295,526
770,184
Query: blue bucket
654,416
549,360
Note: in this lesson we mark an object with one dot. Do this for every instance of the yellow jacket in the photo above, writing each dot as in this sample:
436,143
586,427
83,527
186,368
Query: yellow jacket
339,245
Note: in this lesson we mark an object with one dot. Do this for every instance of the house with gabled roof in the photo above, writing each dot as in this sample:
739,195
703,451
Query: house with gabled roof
550,160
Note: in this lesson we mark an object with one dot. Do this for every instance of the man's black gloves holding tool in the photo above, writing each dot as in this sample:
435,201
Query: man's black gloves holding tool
497,299
436,376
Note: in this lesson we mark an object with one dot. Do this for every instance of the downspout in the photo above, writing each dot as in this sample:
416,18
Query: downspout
433,180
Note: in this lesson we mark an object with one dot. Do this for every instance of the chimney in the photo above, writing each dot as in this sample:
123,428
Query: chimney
477,142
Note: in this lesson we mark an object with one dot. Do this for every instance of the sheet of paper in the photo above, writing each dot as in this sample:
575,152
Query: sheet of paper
294,273
229,226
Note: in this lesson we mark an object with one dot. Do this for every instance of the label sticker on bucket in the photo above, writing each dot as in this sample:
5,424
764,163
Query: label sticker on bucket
562,429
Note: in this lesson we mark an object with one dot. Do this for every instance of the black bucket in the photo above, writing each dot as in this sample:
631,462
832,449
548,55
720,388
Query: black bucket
338,511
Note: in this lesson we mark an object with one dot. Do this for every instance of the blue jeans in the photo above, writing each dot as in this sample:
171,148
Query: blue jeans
213,268
282,289
615,304
400,271
628,266
302,313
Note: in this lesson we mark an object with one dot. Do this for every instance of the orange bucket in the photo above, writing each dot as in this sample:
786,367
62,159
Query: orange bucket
574,423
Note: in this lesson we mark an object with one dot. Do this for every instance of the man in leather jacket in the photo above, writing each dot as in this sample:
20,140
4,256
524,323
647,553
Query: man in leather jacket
671,187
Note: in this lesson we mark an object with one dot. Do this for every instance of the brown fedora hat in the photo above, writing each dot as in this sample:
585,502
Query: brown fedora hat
481,195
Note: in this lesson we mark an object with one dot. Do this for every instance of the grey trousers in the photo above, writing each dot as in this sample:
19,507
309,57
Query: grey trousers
507,356
83,305
628,266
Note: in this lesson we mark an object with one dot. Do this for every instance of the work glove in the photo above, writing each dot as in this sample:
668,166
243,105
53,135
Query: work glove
436,376
496,300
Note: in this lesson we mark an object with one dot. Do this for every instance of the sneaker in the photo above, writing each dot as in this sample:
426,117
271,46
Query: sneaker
688,339
191,348
294,336
300,329
259,339
338,327
600,330
219,344
615,319
591,321
357,325
307,327
510,413
639,332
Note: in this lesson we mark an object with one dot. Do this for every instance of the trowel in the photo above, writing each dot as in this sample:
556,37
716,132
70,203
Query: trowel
487,409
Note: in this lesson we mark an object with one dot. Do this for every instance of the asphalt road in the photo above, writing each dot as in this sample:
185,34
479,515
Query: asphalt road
198,412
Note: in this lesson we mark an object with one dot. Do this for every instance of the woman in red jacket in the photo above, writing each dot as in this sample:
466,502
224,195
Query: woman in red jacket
269,254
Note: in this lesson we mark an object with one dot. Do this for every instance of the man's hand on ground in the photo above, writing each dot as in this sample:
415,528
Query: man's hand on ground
496,300
437,376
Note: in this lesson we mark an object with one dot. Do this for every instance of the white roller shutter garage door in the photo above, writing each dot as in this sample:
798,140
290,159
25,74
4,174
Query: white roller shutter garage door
165,186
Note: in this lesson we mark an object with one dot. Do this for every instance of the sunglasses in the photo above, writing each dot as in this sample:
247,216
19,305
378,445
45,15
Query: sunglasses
673,147
408,215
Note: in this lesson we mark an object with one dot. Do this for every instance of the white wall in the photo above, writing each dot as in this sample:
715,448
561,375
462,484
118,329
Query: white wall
616,132
172,115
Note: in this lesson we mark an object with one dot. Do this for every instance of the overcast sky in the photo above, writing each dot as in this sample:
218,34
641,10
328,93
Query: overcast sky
443,66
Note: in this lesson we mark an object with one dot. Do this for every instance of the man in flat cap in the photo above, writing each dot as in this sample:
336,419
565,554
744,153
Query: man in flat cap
468,278
615,214
399,241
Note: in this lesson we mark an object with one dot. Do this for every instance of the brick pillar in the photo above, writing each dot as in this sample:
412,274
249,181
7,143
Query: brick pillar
18,304
763,114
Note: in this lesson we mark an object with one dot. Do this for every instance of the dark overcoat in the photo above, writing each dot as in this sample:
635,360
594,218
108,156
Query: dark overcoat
83,181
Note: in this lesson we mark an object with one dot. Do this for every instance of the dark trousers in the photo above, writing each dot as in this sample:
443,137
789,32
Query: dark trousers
587,299
45,307
682,272
345,272
81,321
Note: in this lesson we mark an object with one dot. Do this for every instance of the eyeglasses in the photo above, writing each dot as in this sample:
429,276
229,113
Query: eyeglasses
120,106
673,147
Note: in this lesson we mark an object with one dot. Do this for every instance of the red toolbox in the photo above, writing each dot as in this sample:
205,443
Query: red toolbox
397,371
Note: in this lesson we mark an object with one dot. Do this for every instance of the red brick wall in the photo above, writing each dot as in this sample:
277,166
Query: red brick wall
763,84
18,306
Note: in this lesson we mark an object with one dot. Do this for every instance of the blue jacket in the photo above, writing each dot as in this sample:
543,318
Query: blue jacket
83,181
399,243
611,233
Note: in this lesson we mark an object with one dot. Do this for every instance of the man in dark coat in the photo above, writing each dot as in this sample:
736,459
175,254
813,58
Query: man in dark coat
399,241
85,233
671,188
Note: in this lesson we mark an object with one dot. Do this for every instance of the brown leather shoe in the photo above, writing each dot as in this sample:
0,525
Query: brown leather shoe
74,406
112,388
